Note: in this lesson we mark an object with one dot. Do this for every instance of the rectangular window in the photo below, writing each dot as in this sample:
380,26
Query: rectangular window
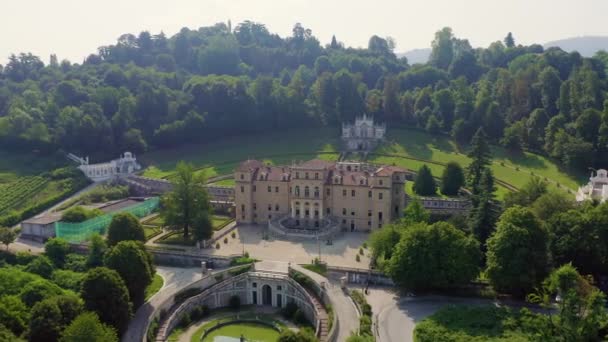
242,176
344,192
316,175
276,207
269,188
343,211
369,213
276,189
297,175
254,206
328,211
269,207
327,192
306,175
352,213
380,181
242,188
369,194
352,193
380,196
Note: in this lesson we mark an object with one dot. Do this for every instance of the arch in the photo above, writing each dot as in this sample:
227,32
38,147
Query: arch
266,295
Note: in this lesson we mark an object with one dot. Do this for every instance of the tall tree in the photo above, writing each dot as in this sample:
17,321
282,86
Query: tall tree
87,327
453,257
509,41
484,213
187,204
442,51
452,179
481,158
424,185
104,292
134,264
125,227
517,252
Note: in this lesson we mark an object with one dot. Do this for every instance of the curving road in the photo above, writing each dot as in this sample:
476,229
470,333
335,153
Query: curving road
396,316
174,280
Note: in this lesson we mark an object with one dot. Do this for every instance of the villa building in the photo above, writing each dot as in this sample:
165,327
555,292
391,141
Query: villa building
125,165
596,189
353,195
363,135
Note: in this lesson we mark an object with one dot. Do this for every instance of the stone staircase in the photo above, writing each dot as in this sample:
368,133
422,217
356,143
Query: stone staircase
323,317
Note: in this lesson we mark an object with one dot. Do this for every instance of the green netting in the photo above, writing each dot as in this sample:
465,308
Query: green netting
78,232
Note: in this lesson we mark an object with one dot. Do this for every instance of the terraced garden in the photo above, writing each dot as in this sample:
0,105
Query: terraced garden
404,147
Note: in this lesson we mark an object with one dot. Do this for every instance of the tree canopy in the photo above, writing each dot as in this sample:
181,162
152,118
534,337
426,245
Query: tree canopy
125,227
134,265
424,185
187,204
148,90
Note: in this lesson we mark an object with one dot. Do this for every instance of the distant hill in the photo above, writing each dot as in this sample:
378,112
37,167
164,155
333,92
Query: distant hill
416,55
587,46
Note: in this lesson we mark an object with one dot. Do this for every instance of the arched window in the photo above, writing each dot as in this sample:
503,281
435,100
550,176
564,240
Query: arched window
306,191
316,192
297,190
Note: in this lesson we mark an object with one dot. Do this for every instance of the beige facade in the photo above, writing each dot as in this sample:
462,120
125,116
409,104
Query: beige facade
358,195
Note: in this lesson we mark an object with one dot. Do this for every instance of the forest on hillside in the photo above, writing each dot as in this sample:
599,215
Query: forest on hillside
152,91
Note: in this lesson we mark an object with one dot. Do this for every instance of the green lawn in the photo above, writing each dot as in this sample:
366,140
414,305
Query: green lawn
150,231
411,149
155,286
219,221
221,157
177,238
224,182
252,332
476,324
196,337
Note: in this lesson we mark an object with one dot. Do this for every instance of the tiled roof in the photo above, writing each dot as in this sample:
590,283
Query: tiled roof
385,171
273,173
353,178
316,164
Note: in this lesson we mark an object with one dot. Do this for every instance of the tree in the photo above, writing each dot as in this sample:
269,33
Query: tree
105,293
50,317
14,314
581,313
96,251
87,327
452,179
517,252
37,291
383,241
442,51
57,249
7,236
552,203
481,159
41,266
134,265
484,213
579,236
434,257
79,214
528,194
187,203
125,227
424,185
509,41
303,335
414,212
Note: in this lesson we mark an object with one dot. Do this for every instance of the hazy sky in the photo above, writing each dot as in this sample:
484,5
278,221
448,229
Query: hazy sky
74,28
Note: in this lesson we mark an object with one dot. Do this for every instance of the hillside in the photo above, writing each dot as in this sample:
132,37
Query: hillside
417,56
404,147
587,46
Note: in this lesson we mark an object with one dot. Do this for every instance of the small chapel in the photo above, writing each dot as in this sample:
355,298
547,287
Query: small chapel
362,135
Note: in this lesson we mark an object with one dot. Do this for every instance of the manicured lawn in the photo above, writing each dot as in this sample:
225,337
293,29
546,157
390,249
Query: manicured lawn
221,157
155,221
150,231
155,286
476,323
196,337
219,221
252,332
225,182
177,238
411,149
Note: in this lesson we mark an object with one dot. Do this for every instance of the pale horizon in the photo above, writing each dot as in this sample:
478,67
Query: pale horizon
74,29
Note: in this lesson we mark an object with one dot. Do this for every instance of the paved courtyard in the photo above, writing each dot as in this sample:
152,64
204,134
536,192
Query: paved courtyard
342,252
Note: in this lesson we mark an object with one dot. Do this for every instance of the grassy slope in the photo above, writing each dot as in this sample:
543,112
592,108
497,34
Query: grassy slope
221,157
404,147
14,165
155,286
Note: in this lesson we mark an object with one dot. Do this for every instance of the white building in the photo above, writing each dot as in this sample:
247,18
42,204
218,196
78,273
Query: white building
596,189
126,164
363,135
